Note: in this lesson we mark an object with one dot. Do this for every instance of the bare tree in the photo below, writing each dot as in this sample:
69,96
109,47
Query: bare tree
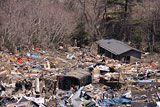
92,12
147,12
41,23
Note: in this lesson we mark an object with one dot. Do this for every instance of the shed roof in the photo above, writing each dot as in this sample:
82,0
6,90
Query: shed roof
78,73
114,46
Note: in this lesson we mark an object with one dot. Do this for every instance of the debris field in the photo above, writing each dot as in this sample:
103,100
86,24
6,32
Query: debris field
76,77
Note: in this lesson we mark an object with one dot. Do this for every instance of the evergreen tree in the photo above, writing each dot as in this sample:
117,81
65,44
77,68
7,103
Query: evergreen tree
80,35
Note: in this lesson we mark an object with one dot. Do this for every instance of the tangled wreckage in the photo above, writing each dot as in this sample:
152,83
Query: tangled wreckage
77,77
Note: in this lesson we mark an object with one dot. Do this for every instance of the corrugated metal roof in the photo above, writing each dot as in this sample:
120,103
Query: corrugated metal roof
114,46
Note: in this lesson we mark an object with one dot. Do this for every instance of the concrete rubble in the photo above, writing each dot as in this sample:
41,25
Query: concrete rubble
76,77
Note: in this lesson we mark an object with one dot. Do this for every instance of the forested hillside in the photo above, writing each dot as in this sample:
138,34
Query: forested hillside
44,23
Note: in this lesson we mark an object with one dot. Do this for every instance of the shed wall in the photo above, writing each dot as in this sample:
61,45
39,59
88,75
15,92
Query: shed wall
132,53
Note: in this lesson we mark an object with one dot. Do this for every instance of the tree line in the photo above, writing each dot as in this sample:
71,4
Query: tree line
45,23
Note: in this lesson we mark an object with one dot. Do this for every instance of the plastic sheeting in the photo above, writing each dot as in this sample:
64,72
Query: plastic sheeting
158,104
34,56
28,54
115,101
145,80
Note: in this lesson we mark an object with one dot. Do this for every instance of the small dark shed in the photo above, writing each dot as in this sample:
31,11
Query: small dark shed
117,50
79,77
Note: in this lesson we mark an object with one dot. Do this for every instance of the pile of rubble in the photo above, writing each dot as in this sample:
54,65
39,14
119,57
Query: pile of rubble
70,76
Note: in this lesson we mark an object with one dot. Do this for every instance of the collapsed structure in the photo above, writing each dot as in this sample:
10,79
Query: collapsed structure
79,77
